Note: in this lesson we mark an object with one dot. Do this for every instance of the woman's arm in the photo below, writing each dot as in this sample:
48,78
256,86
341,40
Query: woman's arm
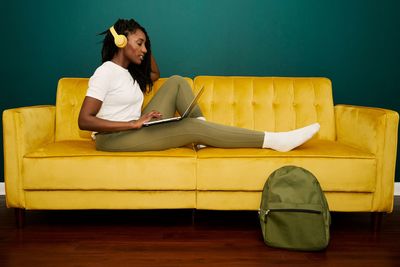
155,72
88,121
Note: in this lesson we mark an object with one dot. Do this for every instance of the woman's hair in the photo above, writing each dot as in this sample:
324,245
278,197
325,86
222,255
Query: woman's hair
141,73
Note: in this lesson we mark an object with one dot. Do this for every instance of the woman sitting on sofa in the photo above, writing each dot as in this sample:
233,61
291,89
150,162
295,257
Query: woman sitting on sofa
112,107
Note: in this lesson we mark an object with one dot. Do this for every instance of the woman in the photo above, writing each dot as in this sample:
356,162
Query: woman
113,104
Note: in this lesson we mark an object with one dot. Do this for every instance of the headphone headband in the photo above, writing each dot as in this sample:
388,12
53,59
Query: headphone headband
120,40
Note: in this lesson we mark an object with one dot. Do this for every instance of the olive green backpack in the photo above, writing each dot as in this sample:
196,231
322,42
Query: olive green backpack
294,213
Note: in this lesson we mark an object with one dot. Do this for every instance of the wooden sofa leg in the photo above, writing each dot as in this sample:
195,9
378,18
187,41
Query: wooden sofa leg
20,217
376,221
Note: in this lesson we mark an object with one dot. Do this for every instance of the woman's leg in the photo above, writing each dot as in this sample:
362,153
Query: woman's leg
174,95
180,133
190,130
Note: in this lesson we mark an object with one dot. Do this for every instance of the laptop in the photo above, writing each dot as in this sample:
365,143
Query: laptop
178,118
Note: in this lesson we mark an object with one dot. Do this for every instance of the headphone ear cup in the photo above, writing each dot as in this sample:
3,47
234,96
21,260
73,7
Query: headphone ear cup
120,40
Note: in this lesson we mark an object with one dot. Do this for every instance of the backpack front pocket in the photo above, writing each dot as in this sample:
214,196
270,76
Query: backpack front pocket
294,226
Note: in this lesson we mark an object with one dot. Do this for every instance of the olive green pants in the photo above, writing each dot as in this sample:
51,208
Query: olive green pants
175,95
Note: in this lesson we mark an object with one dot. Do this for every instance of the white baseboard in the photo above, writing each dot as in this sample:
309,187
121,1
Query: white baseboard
396,189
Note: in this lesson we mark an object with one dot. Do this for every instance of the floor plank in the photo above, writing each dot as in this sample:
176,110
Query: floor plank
168,238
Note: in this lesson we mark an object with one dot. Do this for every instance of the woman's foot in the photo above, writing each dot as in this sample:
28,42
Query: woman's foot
286,141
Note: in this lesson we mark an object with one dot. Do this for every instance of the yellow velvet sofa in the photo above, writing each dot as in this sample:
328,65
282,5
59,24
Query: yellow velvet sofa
51,164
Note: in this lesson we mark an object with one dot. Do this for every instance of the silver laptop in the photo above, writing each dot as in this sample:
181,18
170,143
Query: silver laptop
178,118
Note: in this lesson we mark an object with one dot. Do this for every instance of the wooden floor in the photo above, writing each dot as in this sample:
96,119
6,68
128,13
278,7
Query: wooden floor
168,238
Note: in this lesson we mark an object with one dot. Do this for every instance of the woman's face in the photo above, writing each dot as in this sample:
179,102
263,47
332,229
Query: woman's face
135,50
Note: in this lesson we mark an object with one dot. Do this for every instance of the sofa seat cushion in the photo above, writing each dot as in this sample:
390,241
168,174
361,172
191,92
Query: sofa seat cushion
77,165
338,167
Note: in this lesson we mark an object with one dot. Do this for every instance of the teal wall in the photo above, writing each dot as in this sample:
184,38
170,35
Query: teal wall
353,42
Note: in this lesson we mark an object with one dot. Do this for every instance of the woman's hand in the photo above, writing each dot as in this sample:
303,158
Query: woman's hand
145,118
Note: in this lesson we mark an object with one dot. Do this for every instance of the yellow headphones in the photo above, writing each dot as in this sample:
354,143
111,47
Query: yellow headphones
119,39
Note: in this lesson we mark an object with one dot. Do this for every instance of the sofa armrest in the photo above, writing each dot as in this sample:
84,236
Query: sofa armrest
24,130
373,130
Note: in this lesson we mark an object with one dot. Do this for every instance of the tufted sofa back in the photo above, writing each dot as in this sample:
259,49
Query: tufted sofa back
260,103
268,103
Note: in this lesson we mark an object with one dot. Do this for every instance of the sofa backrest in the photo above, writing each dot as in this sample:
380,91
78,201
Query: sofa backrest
260,103
70,95
268,103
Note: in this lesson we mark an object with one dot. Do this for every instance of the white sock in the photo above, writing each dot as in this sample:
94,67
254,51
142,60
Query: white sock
201,146
286,141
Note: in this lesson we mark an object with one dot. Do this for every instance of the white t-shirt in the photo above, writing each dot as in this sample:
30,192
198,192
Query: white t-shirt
121,95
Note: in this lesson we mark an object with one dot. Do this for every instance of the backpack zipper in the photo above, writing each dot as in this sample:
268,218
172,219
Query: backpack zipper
266,212
294,210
